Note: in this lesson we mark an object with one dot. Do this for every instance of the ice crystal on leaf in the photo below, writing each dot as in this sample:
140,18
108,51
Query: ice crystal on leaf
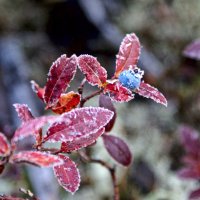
77,123
67,174
36,158
60,75
94,72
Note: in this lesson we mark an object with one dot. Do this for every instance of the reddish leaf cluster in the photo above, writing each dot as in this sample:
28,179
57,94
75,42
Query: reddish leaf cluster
63,70
127,59
190,140
60,75
76,128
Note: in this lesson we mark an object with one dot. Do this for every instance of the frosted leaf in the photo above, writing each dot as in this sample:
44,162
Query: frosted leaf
24,112
105,102
4,146
67,102
193,50
151,92
77,123
80,142
94,72
38,90
128,54
60,74
117,92
67,174
41,159
31,128
118,149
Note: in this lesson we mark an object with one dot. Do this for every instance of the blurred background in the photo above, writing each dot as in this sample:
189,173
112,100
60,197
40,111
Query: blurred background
33,33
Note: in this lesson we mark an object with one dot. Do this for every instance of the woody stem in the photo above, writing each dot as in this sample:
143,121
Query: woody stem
84,100
111,169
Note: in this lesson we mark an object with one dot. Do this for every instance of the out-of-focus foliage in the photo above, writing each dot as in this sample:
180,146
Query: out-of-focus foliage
12,19
169,23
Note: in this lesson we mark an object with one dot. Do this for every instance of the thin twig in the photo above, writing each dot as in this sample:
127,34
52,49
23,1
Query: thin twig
83,100
29,193
112,171
80,88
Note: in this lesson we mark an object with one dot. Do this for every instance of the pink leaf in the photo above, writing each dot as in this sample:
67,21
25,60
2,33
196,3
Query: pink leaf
195,194
128,54
193,50
118,149
4,146
31,128
4,197
78,122
40,159
60,74
118,93
94,72
151,92
23,112
68,175
105,102
38,90
80,142
190,140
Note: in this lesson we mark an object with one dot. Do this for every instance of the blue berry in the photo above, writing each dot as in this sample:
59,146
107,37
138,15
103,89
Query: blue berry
130,79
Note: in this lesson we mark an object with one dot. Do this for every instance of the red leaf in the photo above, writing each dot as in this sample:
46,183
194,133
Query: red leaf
193,50
40,159
151,92
31,128
118,149
38,90
68,175
60,74
4,146
128,54
4,197
105,102
94,72
195,194
78,122
190,140
67,102
24,112
80,142
118,93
